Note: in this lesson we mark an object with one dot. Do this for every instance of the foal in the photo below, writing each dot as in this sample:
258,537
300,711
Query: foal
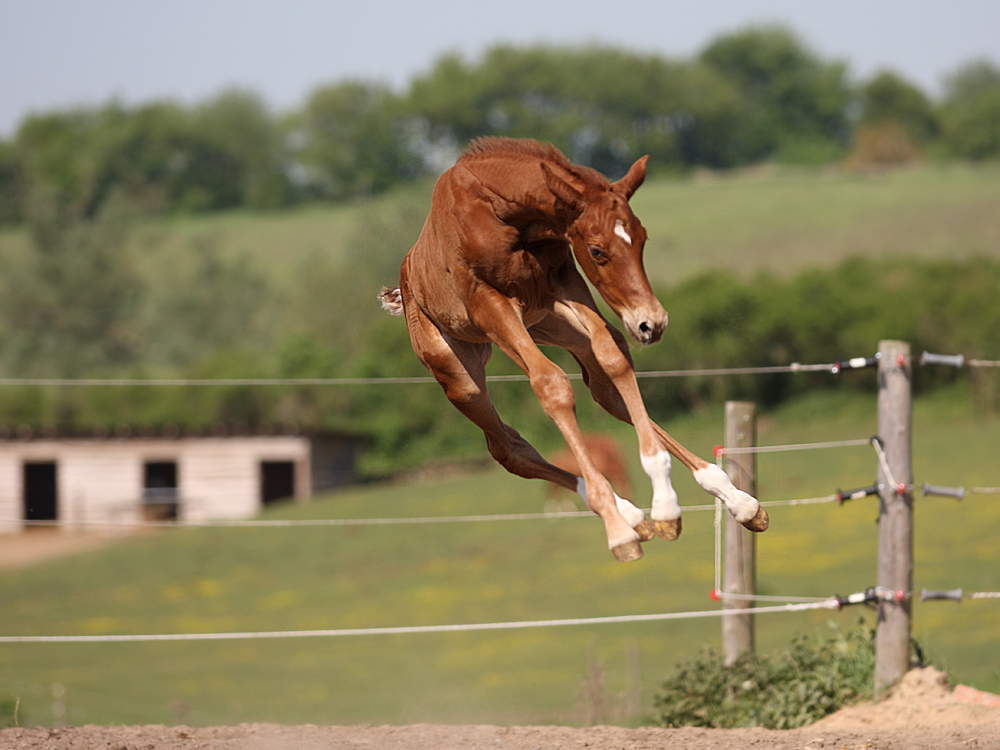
494,264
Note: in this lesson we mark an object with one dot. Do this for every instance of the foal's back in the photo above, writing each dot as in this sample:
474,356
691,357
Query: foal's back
493,221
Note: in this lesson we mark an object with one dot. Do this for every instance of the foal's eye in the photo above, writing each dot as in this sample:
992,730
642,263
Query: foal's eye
597,254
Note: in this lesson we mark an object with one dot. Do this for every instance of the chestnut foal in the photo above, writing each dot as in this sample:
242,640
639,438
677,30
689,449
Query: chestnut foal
494,264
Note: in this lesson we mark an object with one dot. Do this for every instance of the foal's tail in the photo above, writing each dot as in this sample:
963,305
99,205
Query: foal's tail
392,300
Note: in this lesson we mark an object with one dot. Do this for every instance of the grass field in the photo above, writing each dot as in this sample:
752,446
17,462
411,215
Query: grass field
204,580
785,220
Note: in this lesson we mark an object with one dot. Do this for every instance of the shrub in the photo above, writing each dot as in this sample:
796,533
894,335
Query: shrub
883,144
804,685
8,712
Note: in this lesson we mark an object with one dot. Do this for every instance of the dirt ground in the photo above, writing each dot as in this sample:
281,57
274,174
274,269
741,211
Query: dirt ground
37,545
922,714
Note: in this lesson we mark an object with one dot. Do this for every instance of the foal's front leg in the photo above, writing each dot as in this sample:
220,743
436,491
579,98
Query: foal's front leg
612,382
602,352
710,477
496,317
613,385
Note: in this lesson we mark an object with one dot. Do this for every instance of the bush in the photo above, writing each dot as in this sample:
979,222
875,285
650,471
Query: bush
719,321
806,684
8,712
883,144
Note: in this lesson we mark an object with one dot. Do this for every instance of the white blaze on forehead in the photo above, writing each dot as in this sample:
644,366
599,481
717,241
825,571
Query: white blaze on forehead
620,231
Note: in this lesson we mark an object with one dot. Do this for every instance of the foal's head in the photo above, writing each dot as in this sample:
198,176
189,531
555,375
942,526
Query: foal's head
608,240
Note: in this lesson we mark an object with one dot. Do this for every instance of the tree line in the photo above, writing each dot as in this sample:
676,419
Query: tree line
757,94
94,294
718,321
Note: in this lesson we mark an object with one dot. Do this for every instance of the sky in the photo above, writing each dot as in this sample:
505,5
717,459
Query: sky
58,54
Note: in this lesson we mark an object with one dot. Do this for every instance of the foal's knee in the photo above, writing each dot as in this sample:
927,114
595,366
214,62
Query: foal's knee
614,361
554,391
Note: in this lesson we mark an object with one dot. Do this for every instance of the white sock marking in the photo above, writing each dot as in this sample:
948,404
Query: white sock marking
665,504
715,482
620,231
633,516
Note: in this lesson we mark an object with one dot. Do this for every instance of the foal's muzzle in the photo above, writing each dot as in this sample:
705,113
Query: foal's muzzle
646,326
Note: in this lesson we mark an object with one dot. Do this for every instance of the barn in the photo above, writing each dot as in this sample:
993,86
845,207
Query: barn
130,475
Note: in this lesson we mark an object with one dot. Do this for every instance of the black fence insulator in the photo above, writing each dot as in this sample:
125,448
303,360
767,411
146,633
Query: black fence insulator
854,364
956,492
952,594
857,494
952,360
871,595
862,597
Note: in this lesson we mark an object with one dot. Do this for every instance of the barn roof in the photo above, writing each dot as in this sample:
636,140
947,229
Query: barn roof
124,431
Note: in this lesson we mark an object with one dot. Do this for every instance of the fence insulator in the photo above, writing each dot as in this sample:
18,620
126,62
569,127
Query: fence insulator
859,598
853,364
952,594
956,492
952,360
870,596
857,494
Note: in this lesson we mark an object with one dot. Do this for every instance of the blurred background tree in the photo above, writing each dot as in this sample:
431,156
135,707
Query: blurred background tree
350,140
67,305
971,111
754,95
108,269
795,103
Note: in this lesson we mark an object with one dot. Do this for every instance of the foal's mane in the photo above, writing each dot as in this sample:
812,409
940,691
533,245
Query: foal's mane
493,145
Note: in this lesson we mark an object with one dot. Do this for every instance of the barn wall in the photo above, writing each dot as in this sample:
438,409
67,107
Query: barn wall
220,478
96,481
10,492
102,480
333,462
96,484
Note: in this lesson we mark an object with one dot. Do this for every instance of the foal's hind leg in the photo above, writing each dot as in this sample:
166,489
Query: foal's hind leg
460,369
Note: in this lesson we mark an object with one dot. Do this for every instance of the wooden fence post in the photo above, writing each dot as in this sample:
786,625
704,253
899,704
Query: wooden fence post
739,571
895,531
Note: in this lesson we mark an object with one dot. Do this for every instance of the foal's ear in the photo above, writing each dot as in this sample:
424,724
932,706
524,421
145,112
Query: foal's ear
631,182
562,190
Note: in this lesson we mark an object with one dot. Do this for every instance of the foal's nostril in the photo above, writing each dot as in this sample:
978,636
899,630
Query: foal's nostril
645,328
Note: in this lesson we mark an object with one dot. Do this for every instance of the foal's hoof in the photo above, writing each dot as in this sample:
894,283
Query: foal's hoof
759,522
628,552
645,530
668,530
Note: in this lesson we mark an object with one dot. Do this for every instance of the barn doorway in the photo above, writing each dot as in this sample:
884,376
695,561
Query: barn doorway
160,499
41,496
277,481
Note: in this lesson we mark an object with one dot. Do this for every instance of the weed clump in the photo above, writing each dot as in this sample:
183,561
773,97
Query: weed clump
812,680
